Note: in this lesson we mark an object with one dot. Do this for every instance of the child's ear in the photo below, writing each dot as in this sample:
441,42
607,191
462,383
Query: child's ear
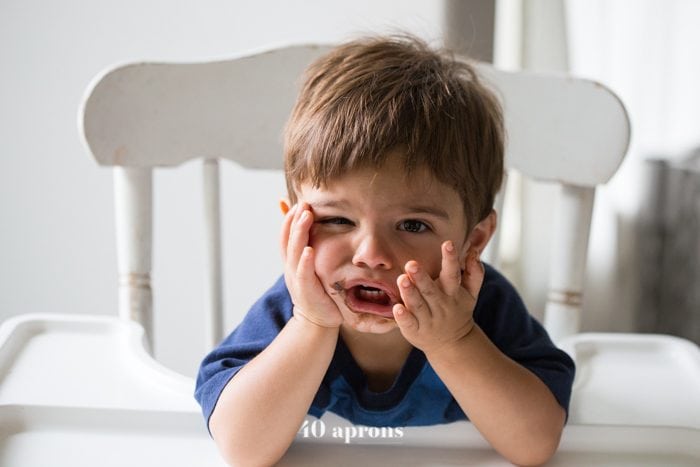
285,205
482,232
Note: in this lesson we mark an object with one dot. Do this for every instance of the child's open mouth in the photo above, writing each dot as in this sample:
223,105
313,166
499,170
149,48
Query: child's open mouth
371,294
364,298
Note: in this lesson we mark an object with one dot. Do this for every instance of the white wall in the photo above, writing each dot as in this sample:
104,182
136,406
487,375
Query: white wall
56,242
649,54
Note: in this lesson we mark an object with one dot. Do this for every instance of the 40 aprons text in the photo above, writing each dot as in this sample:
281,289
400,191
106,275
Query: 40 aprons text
317,429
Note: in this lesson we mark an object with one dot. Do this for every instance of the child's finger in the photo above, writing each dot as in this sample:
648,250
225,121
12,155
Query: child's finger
314,294
412,298
451,272
473,276
408,324
293,253
286,228
305,268
299,235
425,286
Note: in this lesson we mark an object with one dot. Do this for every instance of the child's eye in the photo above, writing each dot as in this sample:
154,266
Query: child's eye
335,221
412,225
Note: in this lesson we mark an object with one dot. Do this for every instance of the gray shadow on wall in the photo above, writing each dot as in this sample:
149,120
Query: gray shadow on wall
668,249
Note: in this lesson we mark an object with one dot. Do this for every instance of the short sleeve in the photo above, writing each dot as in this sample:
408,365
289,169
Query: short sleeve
258,329
501,314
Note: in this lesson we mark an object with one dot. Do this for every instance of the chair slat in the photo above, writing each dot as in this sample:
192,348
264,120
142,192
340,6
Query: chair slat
133,198
568,261
212,221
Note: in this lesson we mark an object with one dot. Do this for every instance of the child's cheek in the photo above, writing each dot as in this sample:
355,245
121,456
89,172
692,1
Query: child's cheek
314,234
325,262
319,235
428,253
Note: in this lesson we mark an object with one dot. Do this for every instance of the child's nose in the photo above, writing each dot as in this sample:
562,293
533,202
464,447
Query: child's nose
373,252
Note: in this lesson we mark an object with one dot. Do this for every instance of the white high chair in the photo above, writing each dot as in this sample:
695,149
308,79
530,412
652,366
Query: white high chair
82,386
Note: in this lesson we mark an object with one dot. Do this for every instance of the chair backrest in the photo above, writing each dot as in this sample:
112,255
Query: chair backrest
145,115
140,116
573,132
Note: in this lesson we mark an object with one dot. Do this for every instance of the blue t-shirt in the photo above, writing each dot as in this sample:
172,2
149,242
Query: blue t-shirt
418,396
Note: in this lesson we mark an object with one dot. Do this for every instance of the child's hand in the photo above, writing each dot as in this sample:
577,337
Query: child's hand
308,295
436,313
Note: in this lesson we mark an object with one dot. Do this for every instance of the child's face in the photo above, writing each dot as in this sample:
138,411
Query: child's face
367,225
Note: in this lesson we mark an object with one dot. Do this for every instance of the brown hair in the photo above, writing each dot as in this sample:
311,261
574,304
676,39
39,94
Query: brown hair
368,97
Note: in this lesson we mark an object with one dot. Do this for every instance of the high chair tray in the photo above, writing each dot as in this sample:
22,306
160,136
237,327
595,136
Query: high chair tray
634,379
85,361
82,391
461,444
37,436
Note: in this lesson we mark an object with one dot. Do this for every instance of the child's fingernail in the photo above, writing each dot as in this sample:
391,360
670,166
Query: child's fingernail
405,282
412,267
449,246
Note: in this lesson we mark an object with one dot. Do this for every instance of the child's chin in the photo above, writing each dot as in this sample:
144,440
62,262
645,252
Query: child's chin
370,323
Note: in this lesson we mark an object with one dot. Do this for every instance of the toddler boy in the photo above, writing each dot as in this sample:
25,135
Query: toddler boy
385,315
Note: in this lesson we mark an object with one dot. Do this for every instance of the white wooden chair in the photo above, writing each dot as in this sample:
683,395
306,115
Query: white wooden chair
105,386
575,133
